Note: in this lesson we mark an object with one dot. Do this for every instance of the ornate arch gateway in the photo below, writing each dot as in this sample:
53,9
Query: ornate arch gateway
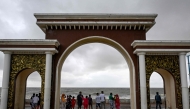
65,32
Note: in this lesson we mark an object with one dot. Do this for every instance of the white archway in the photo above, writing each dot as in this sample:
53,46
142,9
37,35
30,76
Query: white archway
96,39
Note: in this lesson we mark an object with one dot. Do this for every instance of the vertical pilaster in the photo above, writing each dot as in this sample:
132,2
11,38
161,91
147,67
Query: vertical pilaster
184,83
142,74
5,83
48,71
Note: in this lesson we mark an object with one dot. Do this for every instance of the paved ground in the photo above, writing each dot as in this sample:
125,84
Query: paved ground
123,106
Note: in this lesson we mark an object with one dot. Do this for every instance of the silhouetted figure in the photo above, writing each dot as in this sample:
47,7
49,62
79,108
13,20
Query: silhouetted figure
39,102
90,102
158,100
79,100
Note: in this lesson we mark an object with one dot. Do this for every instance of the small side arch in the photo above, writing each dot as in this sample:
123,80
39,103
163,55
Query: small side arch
20,87
169,86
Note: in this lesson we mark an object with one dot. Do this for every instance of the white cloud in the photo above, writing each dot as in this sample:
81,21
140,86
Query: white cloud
156,80
34,80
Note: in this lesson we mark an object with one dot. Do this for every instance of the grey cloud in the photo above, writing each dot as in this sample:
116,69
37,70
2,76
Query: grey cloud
95,57
17,22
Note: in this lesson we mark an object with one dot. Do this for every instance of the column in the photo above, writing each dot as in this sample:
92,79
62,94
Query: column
5,82
47,89
142,74
184,83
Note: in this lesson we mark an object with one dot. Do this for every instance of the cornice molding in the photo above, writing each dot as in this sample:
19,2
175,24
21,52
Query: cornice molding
29,50
93,16
161,51
137,43
65,21
29,42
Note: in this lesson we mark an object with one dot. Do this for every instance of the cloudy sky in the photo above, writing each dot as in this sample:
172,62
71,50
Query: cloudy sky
95,65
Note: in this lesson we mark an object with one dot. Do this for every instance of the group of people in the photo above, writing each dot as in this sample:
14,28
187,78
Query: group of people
68,102
35,101
114,101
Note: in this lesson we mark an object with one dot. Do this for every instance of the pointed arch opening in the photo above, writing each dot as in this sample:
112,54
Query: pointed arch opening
169,96
156,85
25,79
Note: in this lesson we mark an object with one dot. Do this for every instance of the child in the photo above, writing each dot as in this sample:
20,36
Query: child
86,102
73,102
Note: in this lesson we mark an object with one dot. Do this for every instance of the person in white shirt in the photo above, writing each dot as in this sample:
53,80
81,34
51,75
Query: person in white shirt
35,101
102,100
97,101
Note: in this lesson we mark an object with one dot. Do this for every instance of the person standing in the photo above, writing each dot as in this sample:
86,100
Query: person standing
117,101
35,101
158,100
90,102
86,102
73,102
79,100
111,100
63,101
31,101
98,101
39,102
68,103
103,100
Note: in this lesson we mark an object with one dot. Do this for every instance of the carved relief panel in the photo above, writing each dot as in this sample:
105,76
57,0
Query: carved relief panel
169,63
20,62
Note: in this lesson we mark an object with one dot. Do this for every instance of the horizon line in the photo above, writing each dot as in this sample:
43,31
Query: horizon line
91,87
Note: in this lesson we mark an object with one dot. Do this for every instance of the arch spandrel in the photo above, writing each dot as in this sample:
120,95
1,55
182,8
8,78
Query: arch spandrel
20,62
169,63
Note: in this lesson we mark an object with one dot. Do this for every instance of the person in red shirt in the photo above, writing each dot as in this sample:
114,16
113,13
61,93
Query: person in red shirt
73,102
117,101
86,102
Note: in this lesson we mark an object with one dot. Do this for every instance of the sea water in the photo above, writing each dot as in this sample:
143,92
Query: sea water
124,93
